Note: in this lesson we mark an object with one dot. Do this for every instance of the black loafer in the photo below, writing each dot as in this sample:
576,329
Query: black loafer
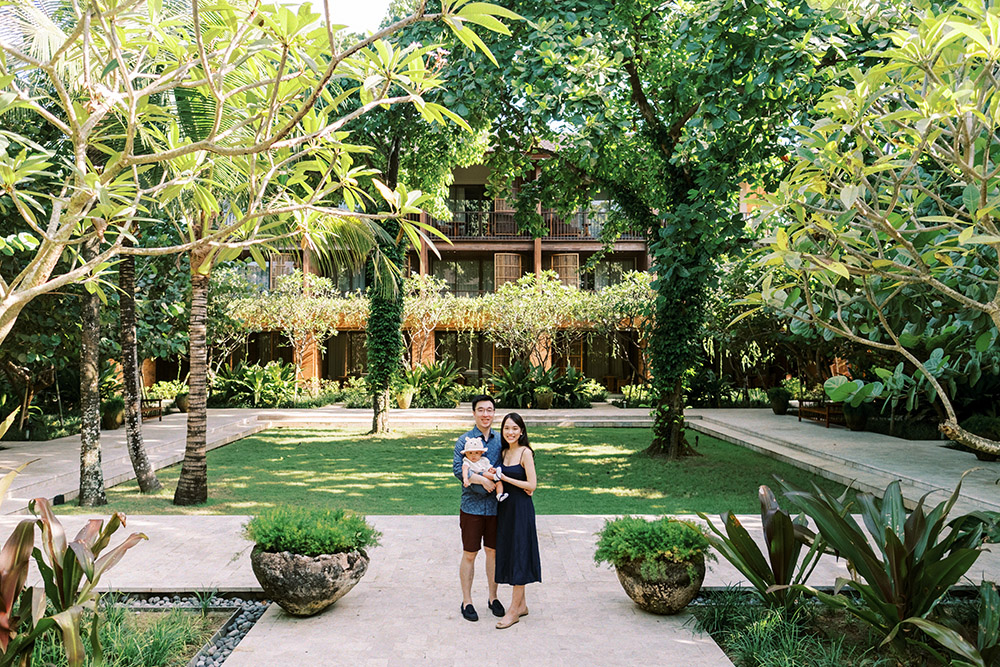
497,608
469,613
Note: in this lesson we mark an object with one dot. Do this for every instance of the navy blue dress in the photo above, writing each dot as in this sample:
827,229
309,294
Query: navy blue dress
517,541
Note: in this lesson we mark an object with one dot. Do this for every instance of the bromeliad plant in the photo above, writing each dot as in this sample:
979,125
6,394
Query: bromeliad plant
917,557
777,574
70,572
983,650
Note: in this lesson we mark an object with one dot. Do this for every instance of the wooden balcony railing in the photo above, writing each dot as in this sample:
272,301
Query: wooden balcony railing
477,224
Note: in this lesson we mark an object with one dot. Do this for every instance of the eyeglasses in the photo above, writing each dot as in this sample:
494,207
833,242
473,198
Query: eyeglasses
485,411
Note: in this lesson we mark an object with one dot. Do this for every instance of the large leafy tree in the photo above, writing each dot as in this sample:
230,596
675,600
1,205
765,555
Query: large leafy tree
114,72
664,109
888,234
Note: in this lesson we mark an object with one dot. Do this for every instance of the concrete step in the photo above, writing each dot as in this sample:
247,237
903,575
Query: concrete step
855,474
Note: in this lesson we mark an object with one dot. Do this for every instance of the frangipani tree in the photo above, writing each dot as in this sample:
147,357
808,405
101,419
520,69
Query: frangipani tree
116,78
890,223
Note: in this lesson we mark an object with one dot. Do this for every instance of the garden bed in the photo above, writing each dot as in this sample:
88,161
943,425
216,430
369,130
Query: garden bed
752,635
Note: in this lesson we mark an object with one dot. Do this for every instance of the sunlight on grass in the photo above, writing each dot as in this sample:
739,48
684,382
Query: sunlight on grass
580,471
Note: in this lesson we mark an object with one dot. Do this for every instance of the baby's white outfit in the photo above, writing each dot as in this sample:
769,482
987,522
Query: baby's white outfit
478,467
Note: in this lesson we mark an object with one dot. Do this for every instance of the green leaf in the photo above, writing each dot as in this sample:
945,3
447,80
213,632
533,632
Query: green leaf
984,341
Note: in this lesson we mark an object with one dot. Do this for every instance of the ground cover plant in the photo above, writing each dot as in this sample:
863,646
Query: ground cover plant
580,471
133,639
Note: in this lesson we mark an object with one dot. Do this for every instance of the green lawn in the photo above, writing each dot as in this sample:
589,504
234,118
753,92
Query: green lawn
580,471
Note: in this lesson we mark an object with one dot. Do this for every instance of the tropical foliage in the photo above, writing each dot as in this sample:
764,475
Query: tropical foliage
887,231
311,531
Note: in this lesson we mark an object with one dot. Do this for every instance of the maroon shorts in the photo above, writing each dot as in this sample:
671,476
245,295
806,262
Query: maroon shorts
478,529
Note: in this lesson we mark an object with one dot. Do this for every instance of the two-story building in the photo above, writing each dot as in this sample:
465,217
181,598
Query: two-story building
486,251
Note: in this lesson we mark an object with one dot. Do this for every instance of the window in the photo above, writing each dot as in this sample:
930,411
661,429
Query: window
280,264
607,272
466,277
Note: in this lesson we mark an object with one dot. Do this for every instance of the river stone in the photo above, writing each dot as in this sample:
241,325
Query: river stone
665,595
306,585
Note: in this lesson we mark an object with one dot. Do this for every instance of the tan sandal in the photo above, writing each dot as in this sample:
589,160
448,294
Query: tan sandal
502,626
523,613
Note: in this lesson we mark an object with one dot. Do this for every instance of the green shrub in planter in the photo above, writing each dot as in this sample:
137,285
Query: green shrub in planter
779,397
311,531
543,397
112,412
660,564
306,559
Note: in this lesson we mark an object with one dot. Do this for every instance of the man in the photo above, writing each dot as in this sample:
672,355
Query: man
478,512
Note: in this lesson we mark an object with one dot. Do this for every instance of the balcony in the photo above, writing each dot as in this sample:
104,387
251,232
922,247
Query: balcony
479,219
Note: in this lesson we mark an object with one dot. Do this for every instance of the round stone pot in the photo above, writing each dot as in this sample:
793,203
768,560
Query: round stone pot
182,402
779,406
306,585
543,399
856,418
668,594
404,398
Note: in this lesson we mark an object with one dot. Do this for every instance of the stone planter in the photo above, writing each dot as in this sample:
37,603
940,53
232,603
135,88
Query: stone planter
404,398
666,595
779,405
543,399
856,418
306,585
182,402
112,419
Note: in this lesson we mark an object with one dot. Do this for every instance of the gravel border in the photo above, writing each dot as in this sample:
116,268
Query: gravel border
246,611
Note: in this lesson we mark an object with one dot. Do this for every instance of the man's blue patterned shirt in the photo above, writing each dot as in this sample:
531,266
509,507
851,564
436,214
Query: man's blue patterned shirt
475,498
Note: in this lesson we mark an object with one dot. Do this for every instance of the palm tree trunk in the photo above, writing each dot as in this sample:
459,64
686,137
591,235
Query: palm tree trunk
91,472
144,472
192,487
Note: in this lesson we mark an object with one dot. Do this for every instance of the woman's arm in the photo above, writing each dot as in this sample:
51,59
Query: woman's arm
528,461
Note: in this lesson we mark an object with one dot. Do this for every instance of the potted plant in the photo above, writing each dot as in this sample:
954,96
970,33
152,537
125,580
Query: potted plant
404,395
112,413
855,395
544,397
779,397
183,400
660,563
306,558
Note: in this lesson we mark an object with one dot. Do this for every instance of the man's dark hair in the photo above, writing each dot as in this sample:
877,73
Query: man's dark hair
480,398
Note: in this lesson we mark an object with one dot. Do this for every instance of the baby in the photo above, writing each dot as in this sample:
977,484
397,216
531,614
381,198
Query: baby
474,463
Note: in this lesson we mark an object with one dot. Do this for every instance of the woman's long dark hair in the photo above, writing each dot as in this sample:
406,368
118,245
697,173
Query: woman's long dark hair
521,440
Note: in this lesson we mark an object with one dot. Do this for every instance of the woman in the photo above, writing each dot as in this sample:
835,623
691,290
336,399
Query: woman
517,560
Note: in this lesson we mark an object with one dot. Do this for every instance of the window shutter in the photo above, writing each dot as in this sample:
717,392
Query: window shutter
280,264
567,266
506,268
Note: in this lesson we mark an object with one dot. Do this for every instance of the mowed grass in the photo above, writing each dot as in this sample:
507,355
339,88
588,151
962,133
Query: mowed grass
580,471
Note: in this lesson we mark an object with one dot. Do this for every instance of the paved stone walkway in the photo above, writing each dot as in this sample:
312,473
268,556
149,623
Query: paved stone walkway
405,610
869,461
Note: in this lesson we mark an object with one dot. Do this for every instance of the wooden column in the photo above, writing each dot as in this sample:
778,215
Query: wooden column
425,264
148,371
422,351
311,357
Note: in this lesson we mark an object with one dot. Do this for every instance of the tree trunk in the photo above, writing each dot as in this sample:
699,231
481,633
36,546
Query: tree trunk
668,426
192,487
380,407
144,472
385,312
91,471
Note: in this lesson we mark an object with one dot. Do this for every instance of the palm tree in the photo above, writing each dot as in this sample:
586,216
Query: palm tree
144,472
